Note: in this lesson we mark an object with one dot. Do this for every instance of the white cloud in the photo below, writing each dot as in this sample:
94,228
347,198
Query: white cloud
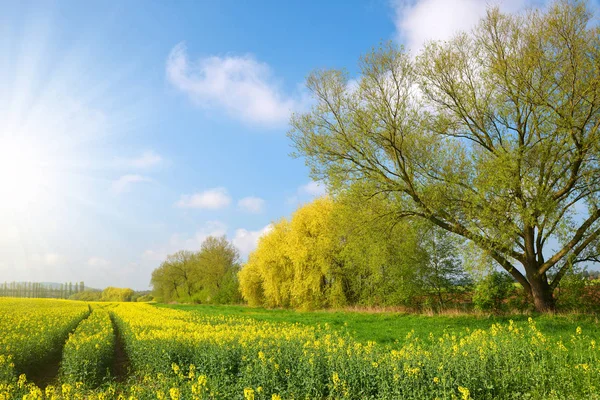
420,21
306,193
313,188
212,199
124,183
254,205
97,262
246,241
241,85
147,159
49,259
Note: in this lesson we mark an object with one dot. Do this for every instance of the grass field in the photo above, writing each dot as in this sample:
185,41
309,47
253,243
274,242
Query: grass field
390,327
57,349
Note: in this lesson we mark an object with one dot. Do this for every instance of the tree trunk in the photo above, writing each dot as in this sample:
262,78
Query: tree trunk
541,292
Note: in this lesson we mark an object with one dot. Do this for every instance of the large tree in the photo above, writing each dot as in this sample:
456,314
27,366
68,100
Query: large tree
492,135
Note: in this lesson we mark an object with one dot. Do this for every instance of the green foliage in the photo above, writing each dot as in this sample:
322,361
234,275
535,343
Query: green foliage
577,292
206,276
492,291
336,252
145,298
117,294
491,135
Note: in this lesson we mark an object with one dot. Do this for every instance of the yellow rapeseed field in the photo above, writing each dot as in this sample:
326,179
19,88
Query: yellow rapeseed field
176,355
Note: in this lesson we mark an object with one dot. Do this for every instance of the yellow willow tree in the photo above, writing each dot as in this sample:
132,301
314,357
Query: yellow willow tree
314,250
492,135
296,264
267,277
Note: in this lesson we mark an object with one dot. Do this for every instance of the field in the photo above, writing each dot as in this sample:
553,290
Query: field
59,349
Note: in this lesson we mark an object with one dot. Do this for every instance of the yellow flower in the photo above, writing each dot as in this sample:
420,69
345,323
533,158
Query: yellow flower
249,394
175,393
436,380
336,379
465,393
275,396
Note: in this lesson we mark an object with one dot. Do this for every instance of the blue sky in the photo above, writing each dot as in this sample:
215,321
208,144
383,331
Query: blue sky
134,129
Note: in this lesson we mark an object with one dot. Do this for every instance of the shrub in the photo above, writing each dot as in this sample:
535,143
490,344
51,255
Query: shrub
492,291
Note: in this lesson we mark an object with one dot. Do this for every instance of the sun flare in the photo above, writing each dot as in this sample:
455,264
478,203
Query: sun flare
26,174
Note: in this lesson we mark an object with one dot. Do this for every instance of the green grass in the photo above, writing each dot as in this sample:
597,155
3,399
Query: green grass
388,327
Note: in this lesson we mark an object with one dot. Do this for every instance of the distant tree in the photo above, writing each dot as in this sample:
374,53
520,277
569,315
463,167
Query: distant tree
206,276
219,265
117,294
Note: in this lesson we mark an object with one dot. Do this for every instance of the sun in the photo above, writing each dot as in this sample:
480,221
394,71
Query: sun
26,174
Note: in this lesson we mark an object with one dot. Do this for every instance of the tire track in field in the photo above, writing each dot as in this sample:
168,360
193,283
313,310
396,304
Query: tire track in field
121,364
47,373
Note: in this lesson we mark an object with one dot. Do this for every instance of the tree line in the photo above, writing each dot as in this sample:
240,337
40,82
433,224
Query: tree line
335,253
41,290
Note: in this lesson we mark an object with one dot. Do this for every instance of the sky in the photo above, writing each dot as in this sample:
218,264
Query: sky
133,129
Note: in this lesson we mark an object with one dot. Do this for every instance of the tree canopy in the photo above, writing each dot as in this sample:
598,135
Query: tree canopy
492,135
333,252
206,276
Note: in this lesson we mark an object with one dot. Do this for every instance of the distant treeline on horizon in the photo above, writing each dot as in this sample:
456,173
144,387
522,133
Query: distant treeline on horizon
41,289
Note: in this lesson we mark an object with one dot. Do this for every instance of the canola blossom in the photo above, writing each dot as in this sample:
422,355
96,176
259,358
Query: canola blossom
33,331
185,355
89,351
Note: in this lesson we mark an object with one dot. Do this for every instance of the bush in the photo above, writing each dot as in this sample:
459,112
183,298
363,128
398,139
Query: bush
571,291
492,292
145,298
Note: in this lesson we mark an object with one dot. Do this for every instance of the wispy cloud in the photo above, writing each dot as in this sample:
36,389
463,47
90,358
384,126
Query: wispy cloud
251,204
420,21
211,199
97,262
241,85
313,188
307,192
147,159
48,259
124,183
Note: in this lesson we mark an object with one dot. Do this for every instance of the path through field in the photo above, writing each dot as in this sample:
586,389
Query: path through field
121,365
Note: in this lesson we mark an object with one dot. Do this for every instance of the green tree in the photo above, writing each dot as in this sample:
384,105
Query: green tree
442,272
335,252
218,262
492,135
206,276
116,294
